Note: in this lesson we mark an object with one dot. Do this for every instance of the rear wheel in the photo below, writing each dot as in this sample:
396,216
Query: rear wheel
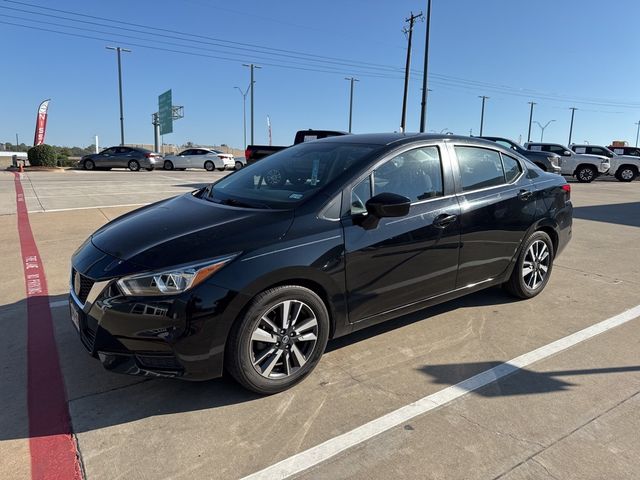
279,340
533,268
586,174
626,173
168,165
134,166
89,165
209,166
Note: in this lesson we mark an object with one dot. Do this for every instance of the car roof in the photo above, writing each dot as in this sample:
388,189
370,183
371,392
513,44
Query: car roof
397,138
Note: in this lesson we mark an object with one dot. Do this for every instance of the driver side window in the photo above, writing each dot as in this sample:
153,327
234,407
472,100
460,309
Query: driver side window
415,174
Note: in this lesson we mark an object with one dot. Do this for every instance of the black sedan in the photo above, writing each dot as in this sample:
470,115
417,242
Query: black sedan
133,158
256,272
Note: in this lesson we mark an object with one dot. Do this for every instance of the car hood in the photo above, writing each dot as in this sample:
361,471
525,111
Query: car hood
186,229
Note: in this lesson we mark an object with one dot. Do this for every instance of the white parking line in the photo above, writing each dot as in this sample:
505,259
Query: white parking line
315,455
88,208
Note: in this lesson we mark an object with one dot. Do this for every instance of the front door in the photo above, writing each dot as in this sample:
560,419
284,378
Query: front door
407,259
498,206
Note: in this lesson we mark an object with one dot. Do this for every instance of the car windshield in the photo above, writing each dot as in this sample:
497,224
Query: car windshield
289,177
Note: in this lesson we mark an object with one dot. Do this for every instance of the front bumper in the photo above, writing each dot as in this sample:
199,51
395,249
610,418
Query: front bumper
171,336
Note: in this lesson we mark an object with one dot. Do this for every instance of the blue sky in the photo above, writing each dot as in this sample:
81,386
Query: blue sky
556,53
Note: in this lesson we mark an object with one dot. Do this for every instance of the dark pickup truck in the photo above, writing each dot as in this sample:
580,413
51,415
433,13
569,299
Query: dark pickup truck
253,153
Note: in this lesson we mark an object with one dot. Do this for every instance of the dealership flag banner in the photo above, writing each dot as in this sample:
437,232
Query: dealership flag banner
41,123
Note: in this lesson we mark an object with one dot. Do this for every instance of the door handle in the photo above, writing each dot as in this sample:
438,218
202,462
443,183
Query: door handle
441,221
525,194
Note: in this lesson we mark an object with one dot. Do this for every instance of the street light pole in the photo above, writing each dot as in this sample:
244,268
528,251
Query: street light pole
423,113
637,131
530,120
119,50
251,67
244,112
573,112
351,80
483,97
543,127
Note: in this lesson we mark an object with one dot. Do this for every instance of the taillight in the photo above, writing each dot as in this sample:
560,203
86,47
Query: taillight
567,190
148,155
247,154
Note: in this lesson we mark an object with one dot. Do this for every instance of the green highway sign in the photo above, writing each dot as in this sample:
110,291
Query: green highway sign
165,116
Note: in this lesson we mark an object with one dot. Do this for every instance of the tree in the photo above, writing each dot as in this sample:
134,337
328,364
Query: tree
42,155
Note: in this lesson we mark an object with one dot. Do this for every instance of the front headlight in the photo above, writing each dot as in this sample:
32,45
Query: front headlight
553,160
171,281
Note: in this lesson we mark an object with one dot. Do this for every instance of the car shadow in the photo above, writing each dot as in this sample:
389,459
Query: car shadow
618,213
512,381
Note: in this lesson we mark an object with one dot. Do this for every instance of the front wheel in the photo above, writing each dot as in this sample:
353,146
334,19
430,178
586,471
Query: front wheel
533,268
279,340
134,166
89,165
238,165
586,174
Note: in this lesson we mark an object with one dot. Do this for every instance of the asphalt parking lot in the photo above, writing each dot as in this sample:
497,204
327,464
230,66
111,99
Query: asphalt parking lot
573,414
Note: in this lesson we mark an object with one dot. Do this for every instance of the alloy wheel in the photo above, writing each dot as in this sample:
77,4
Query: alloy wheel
535,264
284,339
627,174
586,175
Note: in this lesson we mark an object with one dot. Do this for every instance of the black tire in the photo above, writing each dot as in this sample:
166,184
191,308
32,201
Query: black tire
239,165
89,165
134,166
168,165
240,346
519,284
209,166
586,174
626,173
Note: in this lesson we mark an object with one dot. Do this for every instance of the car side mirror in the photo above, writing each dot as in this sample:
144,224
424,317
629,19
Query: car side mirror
383,205
387,204
566,153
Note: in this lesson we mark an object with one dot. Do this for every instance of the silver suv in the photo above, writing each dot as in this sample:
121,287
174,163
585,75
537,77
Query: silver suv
585,168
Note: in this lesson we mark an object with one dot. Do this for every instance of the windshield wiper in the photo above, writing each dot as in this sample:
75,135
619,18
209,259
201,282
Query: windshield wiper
239,203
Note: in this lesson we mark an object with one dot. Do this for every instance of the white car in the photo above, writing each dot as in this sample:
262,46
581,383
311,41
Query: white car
199,158
624,167
585,168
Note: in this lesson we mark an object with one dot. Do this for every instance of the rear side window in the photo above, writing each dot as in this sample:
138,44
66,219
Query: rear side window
479,168
512,168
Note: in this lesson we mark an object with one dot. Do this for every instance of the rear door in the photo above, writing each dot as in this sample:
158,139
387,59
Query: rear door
407,259
497,204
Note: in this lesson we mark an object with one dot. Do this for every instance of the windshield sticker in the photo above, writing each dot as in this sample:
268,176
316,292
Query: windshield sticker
314,172
295,196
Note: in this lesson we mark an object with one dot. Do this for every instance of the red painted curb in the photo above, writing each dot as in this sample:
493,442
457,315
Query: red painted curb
51,444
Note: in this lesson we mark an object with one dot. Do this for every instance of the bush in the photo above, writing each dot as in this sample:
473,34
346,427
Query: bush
67,161
42,156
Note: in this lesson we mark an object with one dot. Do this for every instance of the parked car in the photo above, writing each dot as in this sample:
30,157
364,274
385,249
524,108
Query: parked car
254,277
241,162
624,167
253,153
199,158
625,150
547,161
133,158
585,168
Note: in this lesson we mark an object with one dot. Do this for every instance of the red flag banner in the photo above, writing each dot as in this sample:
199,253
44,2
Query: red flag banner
41,123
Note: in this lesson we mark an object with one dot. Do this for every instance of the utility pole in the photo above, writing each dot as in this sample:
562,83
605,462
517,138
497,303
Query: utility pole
119,50
484,98
637,131
543,127
423,110
411,21
351,80
530,120
18,142
244,112
573,112
251,84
